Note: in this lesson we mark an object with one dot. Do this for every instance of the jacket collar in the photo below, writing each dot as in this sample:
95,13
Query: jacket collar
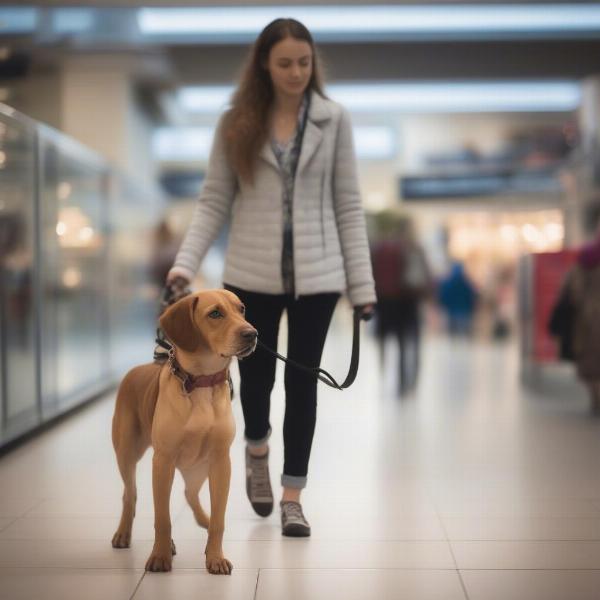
319,108
318,112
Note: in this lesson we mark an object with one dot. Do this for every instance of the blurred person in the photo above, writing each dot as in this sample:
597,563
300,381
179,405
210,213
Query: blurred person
576,319
165,247
458,297
283,166
502,297
402,281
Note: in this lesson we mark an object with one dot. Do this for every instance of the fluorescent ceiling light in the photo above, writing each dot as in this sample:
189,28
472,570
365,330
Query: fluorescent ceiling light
549,96
372,142
458,97
72,20
208,99
194,143
376,20
178,143
15,19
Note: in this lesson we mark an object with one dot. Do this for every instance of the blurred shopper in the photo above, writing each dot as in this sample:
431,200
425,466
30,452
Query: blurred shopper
576,319
165,247
502,301
402,281
283,166
458,297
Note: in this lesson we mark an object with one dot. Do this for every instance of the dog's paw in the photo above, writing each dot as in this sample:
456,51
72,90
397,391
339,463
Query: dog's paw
218,565
121,539
158,562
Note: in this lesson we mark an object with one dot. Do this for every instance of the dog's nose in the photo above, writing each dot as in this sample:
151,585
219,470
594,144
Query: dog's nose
249,334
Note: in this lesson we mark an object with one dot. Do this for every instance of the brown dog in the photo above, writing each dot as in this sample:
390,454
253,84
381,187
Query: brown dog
183,409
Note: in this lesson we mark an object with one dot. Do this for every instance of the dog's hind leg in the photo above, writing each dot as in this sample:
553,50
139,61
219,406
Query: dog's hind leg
128,455
194,478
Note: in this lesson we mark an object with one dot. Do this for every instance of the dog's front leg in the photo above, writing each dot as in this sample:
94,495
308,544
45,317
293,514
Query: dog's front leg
163,470
219,475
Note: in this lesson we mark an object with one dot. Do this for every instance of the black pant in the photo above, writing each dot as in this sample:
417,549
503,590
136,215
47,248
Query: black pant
308,322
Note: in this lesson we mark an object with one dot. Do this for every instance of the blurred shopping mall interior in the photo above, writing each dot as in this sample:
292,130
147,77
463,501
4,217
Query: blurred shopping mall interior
477,122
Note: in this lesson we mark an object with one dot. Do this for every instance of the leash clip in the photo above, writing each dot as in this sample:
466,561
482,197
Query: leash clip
171,361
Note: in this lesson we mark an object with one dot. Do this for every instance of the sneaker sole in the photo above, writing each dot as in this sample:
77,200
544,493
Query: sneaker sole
262,509
296,531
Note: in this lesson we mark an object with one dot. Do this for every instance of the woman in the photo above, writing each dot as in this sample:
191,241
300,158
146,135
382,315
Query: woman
283,166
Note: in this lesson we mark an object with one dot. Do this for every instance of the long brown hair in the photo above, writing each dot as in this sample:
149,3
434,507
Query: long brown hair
246,123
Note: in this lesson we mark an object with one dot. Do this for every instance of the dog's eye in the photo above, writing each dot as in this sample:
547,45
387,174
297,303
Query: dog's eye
215,314
243,309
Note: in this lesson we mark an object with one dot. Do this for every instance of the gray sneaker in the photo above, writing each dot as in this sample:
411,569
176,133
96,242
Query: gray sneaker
293,521
258,483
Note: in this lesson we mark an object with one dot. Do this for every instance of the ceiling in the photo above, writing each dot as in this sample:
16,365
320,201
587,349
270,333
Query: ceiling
169,61
215,57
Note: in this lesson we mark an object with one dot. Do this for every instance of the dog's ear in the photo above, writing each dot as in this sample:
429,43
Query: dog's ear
178,324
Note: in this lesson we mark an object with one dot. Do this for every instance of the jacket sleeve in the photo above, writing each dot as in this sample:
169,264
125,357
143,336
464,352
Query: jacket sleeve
211,211
350,218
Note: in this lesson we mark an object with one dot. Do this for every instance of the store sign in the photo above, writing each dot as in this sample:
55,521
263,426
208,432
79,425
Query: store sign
478,185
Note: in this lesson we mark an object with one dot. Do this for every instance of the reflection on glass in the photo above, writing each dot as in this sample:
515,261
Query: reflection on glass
17,342
74,274
77,303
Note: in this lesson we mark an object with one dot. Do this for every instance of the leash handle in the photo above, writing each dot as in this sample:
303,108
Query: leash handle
322,374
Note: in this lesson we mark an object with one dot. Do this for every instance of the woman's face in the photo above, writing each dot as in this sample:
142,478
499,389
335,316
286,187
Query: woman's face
290,66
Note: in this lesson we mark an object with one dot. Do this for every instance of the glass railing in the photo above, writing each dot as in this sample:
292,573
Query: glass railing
77,303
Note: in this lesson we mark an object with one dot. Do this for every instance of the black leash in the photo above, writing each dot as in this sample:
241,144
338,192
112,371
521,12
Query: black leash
322,374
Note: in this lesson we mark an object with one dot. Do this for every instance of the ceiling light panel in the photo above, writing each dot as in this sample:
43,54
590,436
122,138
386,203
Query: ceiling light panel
433,97
377,22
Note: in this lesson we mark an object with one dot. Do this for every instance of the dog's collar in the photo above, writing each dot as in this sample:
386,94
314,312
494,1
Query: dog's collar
191,382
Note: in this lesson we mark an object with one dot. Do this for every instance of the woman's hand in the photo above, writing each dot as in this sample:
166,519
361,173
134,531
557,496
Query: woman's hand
366,311
175,288
173,277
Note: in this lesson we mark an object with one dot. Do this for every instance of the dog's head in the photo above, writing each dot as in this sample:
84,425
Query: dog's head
210,321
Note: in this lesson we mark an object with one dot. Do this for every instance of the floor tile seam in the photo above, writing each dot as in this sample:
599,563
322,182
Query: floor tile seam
202,569
560,569
488,517
248,568
256,586
428,569
521,541
150,538
137,587
70,568
32,508
9,524
458,573
73,540
525,541
61,568
340,540
277,540
331,568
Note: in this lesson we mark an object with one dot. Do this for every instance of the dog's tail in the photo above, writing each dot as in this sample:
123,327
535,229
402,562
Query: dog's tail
201,517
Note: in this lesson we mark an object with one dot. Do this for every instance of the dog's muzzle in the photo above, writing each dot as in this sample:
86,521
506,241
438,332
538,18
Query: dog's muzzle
250,336
245,352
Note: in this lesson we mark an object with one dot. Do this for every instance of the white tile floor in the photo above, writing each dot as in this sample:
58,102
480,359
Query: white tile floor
473,488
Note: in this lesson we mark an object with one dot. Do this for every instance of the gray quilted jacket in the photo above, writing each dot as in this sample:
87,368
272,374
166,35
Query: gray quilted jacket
331,251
